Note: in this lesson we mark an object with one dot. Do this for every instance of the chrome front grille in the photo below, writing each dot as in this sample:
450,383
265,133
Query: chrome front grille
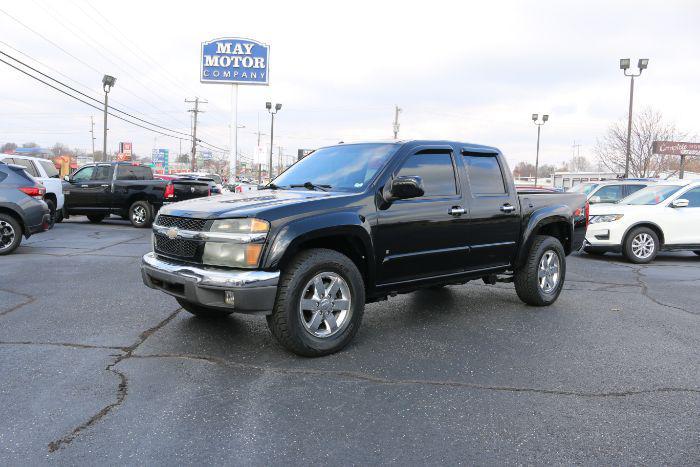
184,223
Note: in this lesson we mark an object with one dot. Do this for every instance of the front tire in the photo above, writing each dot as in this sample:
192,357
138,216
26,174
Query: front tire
141,214
10,234
201,311
52,212
320,303
540,280
641,245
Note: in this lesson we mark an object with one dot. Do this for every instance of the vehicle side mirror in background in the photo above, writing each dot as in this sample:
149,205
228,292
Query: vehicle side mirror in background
680,203
66,178
404,187
594,200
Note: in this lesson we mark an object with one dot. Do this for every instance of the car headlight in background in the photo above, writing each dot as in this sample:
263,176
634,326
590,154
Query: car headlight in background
605,218
239,246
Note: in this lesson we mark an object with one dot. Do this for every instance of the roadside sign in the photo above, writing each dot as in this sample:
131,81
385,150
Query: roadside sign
676,148
234,60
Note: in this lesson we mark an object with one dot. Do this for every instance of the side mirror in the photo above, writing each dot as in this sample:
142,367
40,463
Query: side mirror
680,203
404,187
594,200
66,178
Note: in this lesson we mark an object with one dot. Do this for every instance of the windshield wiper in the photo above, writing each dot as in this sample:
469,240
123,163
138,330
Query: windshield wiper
311,186
272,186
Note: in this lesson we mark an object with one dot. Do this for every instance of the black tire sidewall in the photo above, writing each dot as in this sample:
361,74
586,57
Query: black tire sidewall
627,248
18,234
526,281
52,212
149,214
313,265
554,245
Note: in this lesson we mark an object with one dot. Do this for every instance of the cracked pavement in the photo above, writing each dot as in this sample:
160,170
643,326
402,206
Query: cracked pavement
96,368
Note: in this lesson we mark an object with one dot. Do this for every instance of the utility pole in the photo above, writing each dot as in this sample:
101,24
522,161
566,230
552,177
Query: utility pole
92,136
396,121
195,111
624,66
574,149
277,107
279,160
257,150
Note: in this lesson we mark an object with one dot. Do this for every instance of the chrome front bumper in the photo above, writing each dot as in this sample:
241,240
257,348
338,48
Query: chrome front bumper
253,291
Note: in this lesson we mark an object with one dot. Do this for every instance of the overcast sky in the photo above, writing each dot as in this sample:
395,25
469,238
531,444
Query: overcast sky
470,71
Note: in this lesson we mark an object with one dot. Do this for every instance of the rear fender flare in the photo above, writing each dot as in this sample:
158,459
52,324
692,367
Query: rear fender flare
559,213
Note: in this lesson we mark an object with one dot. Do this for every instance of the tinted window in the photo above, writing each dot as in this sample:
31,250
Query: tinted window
609,193
102,173
485,177
28,165
436,170
49,168
84,174
693,197
134,172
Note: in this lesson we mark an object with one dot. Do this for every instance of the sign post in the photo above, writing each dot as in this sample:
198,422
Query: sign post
677,148
234,61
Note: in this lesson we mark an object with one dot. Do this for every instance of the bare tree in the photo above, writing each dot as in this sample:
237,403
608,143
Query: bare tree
648,126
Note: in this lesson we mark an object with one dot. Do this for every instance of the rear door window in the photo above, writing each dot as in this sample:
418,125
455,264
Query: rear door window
485,175
609,193
134,172
102,173
435,169
28,166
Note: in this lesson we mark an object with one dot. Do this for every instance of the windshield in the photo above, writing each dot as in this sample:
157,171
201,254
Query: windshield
584,188
348,167
651,195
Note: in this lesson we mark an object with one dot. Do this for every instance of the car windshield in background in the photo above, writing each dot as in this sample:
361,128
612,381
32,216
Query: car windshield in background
651,195
347,167
584,188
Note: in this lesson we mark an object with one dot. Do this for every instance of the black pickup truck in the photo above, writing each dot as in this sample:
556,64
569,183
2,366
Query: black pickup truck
126,189
356,223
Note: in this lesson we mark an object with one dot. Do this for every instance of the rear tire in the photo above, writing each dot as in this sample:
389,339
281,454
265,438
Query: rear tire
10,234
641,245
52,212
59,216
96,218
141,214
320,303
201,311
540,280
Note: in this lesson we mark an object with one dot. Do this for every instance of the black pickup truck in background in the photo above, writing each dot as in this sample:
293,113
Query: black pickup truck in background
125,189
357,223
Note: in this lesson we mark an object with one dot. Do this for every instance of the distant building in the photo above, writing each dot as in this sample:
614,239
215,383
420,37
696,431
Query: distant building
569,179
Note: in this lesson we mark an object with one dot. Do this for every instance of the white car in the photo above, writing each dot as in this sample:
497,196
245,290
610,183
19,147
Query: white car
44,171
664,216
609,191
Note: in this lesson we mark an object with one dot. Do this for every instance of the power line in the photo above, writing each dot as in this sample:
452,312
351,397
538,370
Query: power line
90,97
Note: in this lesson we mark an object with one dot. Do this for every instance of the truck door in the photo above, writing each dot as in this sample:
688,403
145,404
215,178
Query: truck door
78,194
426,236
100,188
494,211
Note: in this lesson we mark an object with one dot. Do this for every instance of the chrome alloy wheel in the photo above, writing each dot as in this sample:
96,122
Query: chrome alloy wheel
643,245
7,235
548,271
325,305
139,215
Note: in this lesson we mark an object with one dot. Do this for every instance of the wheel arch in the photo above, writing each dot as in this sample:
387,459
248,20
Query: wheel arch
555,222
15,215
649,224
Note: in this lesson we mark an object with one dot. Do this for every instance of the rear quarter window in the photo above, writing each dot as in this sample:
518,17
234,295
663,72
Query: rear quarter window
485,175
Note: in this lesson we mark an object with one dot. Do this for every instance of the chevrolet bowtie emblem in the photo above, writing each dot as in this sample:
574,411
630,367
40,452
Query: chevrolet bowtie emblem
171,233
192,189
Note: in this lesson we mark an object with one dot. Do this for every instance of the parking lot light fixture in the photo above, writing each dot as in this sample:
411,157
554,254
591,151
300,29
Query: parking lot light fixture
107,83
268,106
642,65
535,118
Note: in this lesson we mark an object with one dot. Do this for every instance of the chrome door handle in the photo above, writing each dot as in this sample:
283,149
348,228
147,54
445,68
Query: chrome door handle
507,208
104,186
83,186
456,211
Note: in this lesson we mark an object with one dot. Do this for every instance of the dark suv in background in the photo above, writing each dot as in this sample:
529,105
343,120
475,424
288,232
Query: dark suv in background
22,210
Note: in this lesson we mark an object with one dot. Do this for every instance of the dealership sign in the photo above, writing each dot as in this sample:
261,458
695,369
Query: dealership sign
676,148
234,60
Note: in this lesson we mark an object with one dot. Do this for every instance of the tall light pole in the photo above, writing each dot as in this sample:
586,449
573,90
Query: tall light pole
535,117
107,83
268,106
624,66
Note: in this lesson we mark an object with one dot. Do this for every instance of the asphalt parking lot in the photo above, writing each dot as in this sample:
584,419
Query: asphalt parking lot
96,368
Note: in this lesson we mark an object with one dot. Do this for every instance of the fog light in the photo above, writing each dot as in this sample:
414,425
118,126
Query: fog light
228,297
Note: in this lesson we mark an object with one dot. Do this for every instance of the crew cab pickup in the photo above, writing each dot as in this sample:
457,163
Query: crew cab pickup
357,223
126,189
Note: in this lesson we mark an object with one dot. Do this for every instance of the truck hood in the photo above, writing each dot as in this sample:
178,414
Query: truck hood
246,204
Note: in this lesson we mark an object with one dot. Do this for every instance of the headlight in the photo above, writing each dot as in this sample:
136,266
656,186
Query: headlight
605,218
242,226
235,243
